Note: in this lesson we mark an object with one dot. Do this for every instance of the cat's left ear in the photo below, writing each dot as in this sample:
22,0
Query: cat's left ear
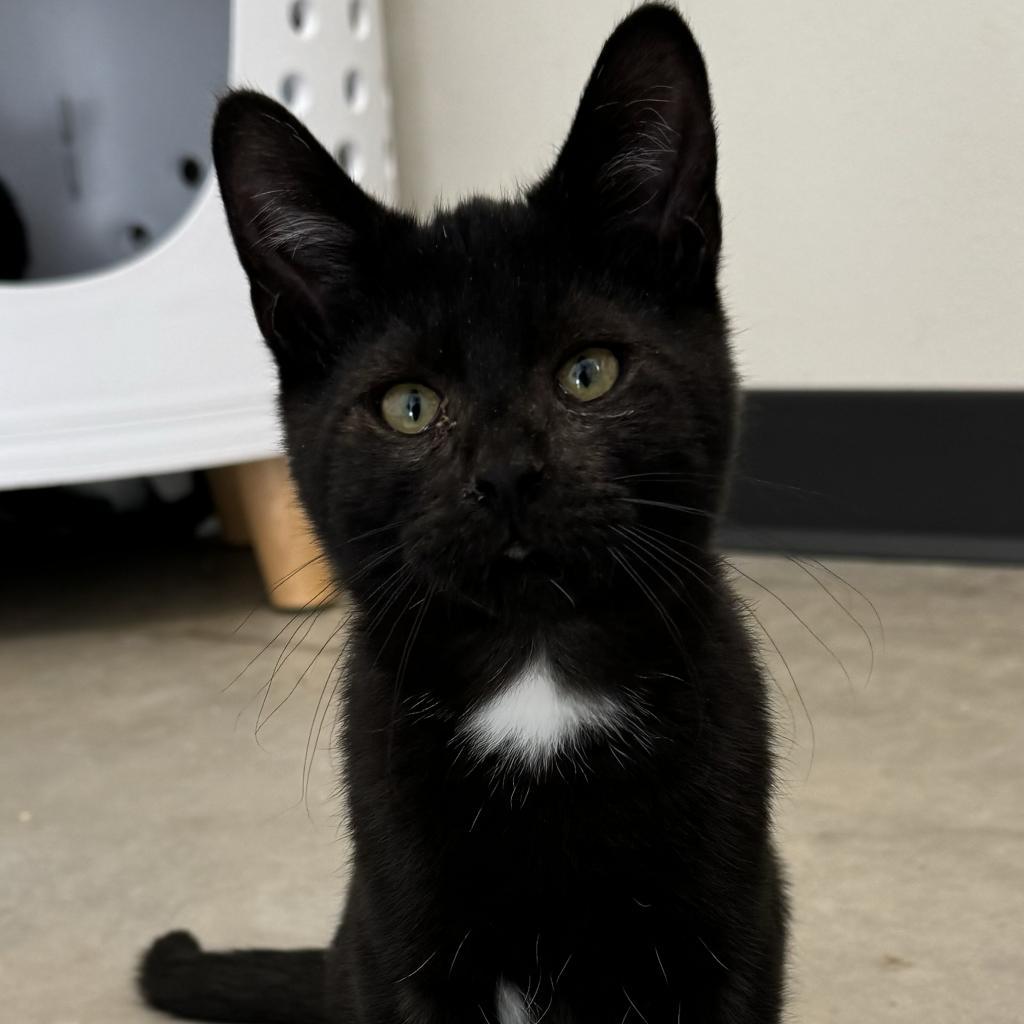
640,159
313,244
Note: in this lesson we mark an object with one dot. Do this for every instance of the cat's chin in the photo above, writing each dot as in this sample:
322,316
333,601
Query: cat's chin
523,584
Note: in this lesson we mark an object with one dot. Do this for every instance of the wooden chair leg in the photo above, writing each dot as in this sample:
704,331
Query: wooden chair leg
227,497
258,500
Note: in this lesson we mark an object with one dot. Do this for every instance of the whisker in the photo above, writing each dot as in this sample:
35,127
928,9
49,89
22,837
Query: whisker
669,476
379,593
417,970
792,678
312,743
396,591
410,642
565,593
331,587
284,579
635,1008
277,636
860,593
642,548
668,553
376,530
316,657
374,561
785,604
781,601
694,569
285,653
846,611
652,598
669,505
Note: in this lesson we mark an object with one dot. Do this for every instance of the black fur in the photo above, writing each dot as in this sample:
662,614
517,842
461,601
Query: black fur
633,878
14,255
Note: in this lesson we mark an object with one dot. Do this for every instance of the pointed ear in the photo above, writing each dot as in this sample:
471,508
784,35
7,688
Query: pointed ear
640,158
307,236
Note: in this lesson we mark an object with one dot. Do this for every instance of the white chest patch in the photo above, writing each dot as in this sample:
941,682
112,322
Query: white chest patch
511,1005
534,718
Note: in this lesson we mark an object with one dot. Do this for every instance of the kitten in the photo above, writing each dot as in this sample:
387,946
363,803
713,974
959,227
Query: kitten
512,427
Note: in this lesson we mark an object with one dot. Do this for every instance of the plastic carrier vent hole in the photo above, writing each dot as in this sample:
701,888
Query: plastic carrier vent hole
302,17
137,237
191,171
357,95
351,160
359,18
295,92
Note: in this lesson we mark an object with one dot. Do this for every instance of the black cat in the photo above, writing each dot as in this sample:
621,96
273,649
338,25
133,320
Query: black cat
512,427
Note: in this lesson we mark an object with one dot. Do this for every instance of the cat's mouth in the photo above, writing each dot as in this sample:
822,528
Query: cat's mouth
519,558
517,547
516,551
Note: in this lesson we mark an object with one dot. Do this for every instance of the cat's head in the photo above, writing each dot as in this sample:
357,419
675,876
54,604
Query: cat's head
501,403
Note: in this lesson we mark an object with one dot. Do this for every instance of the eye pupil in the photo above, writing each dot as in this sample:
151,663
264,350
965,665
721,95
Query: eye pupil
410,408
586,371
589,375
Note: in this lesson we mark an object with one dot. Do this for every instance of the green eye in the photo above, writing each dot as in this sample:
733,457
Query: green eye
409,408
589,375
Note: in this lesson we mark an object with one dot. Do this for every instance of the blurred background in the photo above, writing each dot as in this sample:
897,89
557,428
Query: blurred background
167,646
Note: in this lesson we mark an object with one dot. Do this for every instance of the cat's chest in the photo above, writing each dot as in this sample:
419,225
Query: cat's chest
511,1005
535,718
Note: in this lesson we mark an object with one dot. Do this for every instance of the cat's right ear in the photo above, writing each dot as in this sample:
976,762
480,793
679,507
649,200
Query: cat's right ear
307,236
638,168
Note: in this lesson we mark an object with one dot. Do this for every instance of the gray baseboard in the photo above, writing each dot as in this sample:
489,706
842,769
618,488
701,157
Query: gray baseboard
887,474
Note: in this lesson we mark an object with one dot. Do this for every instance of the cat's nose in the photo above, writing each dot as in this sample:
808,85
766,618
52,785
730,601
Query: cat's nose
508,486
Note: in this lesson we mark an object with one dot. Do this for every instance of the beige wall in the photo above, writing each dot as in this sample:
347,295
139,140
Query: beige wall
872,160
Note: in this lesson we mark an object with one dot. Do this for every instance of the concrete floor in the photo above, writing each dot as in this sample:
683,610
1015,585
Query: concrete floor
134,797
